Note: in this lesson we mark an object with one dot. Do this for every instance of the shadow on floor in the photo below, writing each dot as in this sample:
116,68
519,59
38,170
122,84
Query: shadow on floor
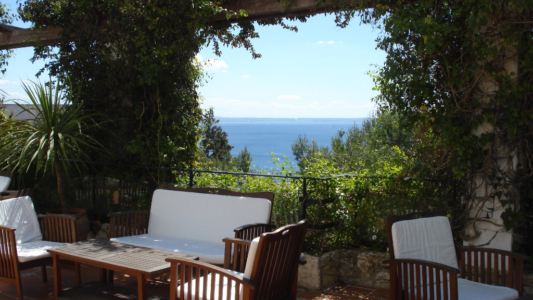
35,289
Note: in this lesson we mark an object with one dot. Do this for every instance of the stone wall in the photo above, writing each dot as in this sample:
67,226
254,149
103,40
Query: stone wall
354,266
349,266
528,283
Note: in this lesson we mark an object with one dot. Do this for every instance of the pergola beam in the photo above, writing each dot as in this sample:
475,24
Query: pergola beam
12,37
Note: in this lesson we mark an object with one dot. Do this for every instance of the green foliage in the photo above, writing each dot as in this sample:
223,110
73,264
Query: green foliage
56,134
243,161
360,202
214,142
460,72
306,152
136,62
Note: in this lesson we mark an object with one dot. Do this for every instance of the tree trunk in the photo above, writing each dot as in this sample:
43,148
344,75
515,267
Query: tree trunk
60,187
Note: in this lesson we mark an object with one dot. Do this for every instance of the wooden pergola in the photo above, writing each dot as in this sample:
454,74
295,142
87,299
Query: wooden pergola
12,37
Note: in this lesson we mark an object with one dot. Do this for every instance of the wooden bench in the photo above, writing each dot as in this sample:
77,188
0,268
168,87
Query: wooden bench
195,221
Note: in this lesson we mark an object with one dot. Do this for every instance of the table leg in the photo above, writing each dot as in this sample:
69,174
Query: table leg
141,286
78,274
103,275
57,276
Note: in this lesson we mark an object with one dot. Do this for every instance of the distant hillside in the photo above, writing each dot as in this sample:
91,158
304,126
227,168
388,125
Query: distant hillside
289,120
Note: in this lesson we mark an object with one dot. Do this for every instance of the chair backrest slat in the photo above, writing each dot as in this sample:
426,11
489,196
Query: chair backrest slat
275,266
8,255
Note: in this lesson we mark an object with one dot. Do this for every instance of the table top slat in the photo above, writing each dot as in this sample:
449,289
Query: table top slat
142,259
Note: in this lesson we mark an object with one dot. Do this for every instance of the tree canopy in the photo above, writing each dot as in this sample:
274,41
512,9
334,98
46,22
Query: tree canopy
461,71
135,63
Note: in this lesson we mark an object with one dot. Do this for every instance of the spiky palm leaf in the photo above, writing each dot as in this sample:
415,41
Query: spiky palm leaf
54,136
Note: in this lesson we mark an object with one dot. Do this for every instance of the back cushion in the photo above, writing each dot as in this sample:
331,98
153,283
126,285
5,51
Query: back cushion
20,214
426,238
251,258
204,216
4,183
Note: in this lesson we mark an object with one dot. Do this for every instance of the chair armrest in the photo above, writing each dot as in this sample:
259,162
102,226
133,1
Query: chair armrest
493,266
251,231
128,223
410,277
191,269
58,228
236,254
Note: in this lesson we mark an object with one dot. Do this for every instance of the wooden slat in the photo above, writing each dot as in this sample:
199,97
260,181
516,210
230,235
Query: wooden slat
489,267
482,267
510,272
495,269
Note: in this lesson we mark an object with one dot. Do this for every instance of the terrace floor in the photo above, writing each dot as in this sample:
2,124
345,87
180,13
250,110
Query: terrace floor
35,289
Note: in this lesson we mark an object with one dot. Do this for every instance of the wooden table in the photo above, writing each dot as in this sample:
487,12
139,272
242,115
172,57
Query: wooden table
142,262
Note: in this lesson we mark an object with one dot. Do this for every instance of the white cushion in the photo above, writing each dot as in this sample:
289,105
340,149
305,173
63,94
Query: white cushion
4,183
20,214
426,238
206,217
207,251
207,296
251,258
471,290
35,250
247,274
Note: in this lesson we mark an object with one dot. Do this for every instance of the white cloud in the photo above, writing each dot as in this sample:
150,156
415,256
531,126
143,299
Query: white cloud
289,97
212,64
245,76
11,83
324,42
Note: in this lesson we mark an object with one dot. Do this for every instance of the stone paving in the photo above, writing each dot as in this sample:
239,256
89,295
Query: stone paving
35,289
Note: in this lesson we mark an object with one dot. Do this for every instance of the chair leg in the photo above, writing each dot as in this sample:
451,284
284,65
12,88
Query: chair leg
110,275
78,274
19,289
43,273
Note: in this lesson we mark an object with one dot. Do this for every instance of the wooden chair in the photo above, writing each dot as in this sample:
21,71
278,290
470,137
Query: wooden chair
271,271
130,223
423,263
17,254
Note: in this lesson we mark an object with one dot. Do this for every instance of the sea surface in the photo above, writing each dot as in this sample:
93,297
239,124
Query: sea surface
263,136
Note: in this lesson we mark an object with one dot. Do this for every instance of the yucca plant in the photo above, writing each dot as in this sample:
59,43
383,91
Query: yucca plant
55,136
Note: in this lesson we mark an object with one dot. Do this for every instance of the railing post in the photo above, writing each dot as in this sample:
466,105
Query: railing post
304,197
191,179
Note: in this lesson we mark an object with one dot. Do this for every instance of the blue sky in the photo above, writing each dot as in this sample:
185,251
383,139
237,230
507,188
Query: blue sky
318,72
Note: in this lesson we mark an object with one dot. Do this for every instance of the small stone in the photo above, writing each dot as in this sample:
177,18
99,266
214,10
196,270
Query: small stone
105,228
102,235
528,279
529,290
382,280
309,274
328,280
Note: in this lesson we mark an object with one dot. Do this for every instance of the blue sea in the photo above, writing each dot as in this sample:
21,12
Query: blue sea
265,135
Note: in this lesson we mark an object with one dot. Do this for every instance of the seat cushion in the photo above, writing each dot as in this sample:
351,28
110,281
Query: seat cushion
209,252
35,250
20,214
470,290
207,295
206,217
425,238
